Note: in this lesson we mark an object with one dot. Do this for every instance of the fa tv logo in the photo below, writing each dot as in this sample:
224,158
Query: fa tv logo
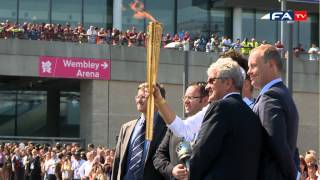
286,16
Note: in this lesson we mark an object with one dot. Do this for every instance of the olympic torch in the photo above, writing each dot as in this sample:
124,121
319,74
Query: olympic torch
154,33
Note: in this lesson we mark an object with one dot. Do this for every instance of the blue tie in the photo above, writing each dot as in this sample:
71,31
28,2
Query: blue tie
137,151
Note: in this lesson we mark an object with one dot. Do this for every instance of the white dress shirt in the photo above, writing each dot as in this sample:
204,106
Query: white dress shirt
189,128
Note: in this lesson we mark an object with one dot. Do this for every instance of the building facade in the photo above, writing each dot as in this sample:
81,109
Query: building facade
235,19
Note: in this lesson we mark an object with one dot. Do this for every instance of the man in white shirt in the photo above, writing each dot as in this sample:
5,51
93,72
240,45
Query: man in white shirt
86,167
50,166
75,166
313,52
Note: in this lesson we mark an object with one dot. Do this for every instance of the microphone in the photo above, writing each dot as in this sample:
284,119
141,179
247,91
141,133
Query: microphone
184,152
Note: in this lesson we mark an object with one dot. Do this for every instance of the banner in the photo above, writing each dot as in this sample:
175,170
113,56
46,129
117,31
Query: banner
72,67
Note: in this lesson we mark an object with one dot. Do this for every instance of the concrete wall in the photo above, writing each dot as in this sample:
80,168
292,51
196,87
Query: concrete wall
105,105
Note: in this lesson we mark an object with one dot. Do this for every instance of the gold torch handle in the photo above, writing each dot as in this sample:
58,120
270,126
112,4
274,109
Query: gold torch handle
154,33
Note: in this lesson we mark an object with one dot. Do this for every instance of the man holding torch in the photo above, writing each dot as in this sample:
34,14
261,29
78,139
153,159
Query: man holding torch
133,156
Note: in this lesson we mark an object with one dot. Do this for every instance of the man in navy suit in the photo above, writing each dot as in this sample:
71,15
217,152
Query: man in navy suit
130,164
277,112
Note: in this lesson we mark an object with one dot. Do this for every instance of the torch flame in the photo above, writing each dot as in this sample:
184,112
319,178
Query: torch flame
139,12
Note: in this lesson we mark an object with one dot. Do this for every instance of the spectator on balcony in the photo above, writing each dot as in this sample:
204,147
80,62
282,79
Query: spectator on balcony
2,31
245,47
124,37
15,30
34,32
237,45
279,46
202,44
25,30
166,39
298,50
186,44
176,38
101,38
108,36
264,42
58,32
225,44
253,43
115,36
313,52
132,36
208,47
141,38
80,34
68,33
215,44
196,43
186,41
46,32
92,35
7,25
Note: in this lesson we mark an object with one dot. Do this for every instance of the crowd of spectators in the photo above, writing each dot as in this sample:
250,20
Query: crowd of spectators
131,37
32,161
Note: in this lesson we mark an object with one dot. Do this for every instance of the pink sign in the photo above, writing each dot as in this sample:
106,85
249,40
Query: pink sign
71,67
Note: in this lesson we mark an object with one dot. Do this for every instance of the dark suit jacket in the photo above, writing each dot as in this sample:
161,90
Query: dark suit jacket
166,157
119,163
34,168
229,142
279,117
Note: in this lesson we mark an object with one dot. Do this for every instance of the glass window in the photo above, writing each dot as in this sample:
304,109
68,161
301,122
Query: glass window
32,110
69,114
34,11
95,13
66,12
221,22
247,24
192,18
27,109
307,34
8,10
265,29
7,113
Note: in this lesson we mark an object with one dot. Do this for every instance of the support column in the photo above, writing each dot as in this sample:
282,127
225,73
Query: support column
117,14
53,112
94,103
237,24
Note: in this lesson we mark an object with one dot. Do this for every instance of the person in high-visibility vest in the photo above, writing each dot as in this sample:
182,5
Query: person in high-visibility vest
253,43
245,47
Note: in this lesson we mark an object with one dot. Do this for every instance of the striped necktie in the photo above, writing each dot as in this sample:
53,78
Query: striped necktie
137,150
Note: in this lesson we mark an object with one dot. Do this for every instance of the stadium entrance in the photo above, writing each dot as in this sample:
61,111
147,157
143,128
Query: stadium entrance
34,106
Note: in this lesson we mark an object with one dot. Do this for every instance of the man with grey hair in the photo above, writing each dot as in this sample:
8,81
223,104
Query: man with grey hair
230,135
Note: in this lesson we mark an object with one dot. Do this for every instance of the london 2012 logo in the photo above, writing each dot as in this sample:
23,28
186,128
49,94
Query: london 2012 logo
286,15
